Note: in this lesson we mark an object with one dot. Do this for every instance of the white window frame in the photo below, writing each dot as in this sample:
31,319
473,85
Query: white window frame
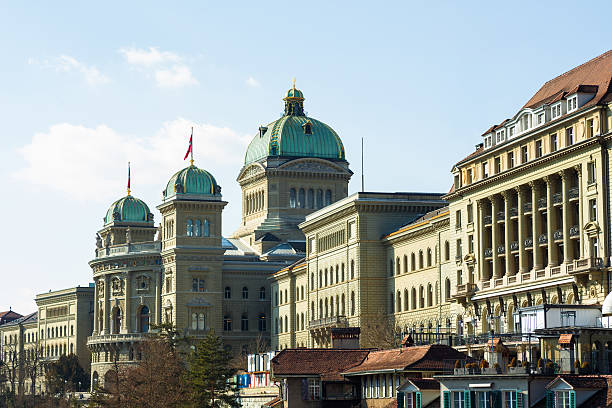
314,389
409,399
562,399
541,118
460,401
555,110
486,399
572,103
512,401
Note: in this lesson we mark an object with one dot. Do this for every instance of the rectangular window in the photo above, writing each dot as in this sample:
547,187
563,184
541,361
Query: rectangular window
572,104
459,251
510,160
539,148
409,400
511,133
194,285
470,213
471,244
484,399
498,167
377,386
458,219
591,173
590,128
593,209
469,176
459,277
458,399
314,389
562,399
457,182
524,154
510,399
383,393
485,170
556,110
568,319
553,142
540,118
569,136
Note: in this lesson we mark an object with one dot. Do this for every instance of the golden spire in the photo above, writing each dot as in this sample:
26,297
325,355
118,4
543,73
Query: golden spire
293,82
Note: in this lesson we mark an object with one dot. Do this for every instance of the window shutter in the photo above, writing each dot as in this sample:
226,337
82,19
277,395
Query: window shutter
400,399
572,399
496,399
304,389
446,398
418,400
550,399
468,399
519,399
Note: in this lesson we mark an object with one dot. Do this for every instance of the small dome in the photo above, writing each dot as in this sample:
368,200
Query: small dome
128,209
606,308
294,93
192,181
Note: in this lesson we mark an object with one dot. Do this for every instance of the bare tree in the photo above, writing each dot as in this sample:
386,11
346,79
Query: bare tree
33,364
258,345
382,334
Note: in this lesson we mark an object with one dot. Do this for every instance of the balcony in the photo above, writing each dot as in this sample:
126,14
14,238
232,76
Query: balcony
558,235
328,322
527,207
488,252
514,246
574,194
557,198
124,249
542,203
465,290
486,220
543,239
586,265
574,231
115,338
528,242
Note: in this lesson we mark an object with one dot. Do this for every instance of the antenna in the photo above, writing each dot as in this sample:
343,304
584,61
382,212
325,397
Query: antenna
362,177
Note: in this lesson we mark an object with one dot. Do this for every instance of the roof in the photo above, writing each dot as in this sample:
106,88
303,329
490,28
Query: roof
592,75
583,381
433,357
327,363
128,209
30,318
422,220
192,181
8,316
423,383
276,402
565,338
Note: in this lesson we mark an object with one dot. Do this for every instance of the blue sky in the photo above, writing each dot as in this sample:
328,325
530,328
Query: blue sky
86,87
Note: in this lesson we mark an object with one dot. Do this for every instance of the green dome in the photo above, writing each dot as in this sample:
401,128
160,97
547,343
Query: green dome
192,181
128,209
295,135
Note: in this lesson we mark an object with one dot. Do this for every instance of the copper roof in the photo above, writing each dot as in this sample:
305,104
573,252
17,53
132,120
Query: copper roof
327,363
434,357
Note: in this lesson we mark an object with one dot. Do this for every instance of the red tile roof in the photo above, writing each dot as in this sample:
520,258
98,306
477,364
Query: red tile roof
327,363
8,316
594,73
434,357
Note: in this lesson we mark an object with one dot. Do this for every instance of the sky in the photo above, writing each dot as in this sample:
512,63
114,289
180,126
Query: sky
86,87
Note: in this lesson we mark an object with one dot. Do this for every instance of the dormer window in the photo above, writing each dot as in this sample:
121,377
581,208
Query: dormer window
262,131
556,111
572,103
511,132
500,135
541,118
307,128
487,142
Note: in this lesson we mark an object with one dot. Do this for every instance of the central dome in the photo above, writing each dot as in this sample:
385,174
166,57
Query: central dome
295,135
192,181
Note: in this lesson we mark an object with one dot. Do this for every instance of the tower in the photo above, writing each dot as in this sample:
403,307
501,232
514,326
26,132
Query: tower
293,166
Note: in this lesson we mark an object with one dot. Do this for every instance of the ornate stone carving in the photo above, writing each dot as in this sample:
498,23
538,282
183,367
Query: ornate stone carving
98,241
311,166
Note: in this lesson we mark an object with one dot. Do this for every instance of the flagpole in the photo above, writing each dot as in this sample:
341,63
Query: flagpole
192,145
129,179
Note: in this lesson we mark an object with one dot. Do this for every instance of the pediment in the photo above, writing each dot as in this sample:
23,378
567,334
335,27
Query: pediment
312,165
251,170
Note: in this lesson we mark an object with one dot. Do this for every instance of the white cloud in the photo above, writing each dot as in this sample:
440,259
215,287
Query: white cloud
175,77
252,82
152,56
90,163
167,68
66,63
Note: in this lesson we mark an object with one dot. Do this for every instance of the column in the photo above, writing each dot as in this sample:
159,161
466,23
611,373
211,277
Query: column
158,285
96,307
578,169
535,215
522,224
566,216
494,238
481,240
551,224
507,224
127,318
106,304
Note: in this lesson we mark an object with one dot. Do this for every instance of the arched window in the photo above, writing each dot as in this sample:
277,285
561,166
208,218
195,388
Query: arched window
292,198
245,292
143,320
198,228
429,295
312,283
286,325
310,198
228,292
326,307
343,305
95,380
405,263
320,308
421,296
337,273
352,269
206,228
194,321
244,322
262,293
302,296
326,276
446,251
328,197
189,228
447,289
399,302
412,262
428,256
420,259
397,265
390,267
319,200
301,198
342,268
312,310
100,323
352,303
116,320
261,322
303,321
201,321
320,278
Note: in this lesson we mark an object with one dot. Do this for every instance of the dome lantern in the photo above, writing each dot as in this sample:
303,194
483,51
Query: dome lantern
294,101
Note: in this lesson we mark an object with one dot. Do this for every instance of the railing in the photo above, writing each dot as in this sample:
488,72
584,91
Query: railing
542,202
557,198
465,289
488,252
511,279
332,321
540,273
543,239
514,246
527,207
528,242
486,219
501,216
573,193
115,338
486,284
586,264
558,235
574,231
499,282
555,271
128,248
501,249
513,212
526,276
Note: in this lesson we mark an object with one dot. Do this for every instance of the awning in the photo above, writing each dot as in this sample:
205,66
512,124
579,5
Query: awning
565,338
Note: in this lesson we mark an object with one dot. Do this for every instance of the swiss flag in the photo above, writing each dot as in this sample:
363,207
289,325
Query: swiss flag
190,150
